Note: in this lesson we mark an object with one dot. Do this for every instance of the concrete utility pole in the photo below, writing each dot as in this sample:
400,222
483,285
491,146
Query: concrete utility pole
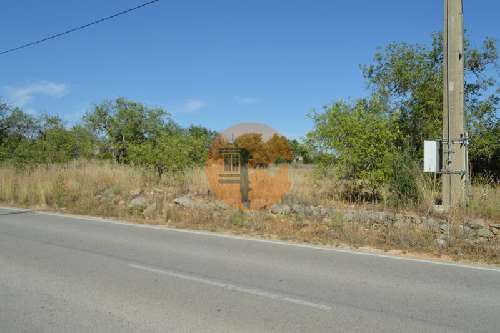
455,168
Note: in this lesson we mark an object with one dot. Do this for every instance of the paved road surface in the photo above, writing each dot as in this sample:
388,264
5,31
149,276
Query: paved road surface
64,274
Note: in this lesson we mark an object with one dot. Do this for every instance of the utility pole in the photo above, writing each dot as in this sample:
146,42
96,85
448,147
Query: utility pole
455,165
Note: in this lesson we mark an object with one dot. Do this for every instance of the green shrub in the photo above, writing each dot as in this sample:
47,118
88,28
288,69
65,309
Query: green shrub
402,180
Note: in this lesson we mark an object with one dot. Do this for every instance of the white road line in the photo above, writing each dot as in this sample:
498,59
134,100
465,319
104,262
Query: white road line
275,242
233,287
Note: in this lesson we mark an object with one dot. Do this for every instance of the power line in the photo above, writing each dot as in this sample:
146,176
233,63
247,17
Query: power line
126,11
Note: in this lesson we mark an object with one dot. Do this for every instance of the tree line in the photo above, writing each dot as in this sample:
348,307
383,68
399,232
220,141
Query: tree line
126,132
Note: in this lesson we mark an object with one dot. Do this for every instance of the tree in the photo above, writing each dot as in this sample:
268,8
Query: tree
201,138
410,78
15,124
85,142
124,123
124,130
217,143
253,143
26,139
361,136
485,150
4,111
19,132
279,150
169,152
301,149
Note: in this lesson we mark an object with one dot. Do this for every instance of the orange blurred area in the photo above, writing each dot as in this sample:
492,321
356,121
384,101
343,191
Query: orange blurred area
266,185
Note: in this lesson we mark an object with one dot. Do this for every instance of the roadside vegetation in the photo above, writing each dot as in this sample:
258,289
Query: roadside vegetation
361,184
313,211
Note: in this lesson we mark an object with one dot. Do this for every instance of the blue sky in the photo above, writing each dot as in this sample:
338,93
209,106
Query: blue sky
212,63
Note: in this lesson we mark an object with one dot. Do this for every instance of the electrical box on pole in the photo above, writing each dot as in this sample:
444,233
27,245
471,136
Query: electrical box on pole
432,158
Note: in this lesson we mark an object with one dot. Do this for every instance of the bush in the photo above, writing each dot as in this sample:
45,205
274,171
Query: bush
402,180
362,140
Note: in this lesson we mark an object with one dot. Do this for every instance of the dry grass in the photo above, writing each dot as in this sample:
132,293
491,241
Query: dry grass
106,189
485,201
97,187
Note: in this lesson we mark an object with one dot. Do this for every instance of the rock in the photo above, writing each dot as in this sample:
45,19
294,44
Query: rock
444,228
485,233
185,201
220,205
299,209
149,211
369,217
433,223
476,241
138,202
384,218
318,211
409,219
464,230
477,224
441,242
280,209
439,209
188,202
302,210
313,211
332,211
495,226
495,231
136,192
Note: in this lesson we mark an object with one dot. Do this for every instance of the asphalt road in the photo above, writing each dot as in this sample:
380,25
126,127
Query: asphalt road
67,274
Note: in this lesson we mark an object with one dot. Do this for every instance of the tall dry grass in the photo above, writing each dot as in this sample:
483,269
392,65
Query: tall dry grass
485,201
91,187
79,185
